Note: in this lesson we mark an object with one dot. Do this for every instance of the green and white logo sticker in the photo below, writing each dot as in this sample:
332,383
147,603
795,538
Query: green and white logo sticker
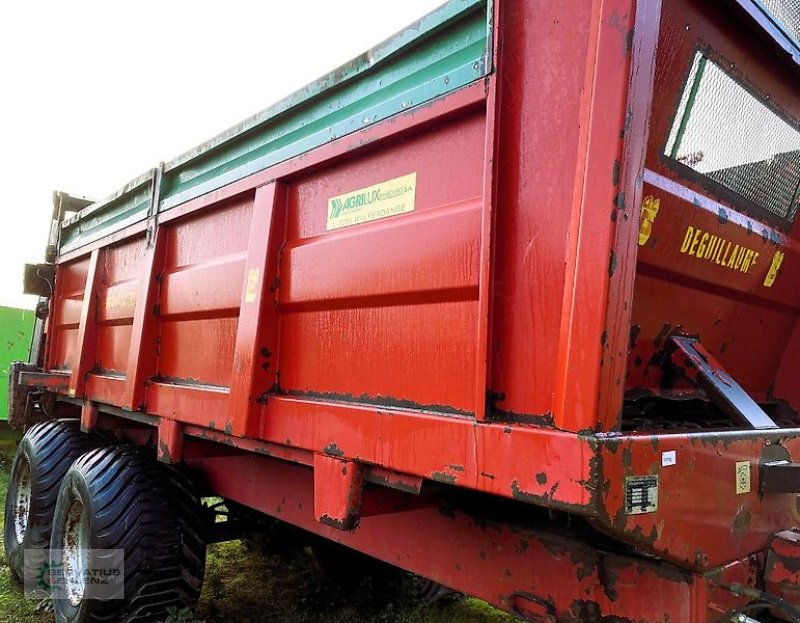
382,200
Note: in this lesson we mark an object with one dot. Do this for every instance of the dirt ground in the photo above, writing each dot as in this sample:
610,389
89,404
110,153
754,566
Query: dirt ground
246,587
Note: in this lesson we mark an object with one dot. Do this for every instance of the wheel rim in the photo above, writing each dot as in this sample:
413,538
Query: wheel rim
22,499
75,552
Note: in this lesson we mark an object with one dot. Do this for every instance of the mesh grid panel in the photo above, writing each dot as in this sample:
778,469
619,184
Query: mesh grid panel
726,133
787,12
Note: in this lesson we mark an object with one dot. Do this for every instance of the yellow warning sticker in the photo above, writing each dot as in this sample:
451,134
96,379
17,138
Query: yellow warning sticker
650,208
777,261
742,477
390,198
251,290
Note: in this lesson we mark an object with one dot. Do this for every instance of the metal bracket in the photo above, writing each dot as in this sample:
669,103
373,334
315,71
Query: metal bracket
39,279
779,477
155,200
28,400
338,485
720,386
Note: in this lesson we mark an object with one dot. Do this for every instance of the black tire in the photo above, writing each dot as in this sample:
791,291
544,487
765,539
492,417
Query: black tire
42,458
149,510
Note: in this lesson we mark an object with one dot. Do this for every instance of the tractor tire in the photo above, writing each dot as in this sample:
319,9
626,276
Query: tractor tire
42,459
121,498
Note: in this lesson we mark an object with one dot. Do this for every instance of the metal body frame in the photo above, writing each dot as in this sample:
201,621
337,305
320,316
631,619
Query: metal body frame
357,383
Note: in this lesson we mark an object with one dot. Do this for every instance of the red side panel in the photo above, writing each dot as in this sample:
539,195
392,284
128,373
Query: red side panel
385,312
122,265
66,314
200,296
561,136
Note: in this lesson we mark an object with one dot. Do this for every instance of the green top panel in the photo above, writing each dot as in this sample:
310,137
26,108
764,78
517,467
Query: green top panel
440,53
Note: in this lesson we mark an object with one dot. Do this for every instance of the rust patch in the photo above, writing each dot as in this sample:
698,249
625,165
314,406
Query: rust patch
444,477
612,263
635,331
615,173
163,451
582,611
524,496
349,523
544,419
333,450
379,401
741,523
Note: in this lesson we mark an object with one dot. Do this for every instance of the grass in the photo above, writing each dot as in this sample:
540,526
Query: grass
242,586
246,587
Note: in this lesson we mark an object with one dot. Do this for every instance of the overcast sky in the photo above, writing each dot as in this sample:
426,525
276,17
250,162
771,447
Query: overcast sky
93,93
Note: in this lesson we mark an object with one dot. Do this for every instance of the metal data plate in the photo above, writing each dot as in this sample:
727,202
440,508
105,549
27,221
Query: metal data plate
641,494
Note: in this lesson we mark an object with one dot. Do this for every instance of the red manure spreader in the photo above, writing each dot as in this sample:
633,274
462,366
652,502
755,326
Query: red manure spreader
510,302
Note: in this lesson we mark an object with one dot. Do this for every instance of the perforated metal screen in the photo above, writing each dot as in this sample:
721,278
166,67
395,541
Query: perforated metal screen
787,13
726,133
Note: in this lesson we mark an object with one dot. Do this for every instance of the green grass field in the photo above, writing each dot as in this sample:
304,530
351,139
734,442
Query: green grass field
245,587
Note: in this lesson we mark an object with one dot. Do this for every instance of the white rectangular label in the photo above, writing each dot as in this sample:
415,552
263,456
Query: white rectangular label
668,458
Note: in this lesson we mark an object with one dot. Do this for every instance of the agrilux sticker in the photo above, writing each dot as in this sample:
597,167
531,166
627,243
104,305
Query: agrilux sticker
389,198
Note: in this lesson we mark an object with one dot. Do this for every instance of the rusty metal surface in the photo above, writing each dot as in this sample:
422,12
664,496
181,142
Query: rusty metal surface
782,566
528,567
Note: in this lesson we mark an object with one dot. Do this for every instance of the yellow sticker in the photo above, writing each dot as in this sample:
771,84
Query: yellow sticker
251,292
777,260
116,301
382,200
650,207
742,477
